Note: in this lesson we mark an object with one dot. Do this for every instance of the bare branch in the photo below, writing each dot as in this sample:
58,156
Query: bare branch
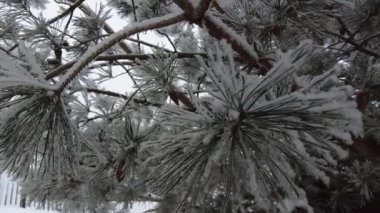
148,44
106,92
118,95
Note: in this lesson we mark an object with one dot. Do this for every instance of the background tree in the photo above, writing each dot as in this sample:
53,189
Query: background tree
257,106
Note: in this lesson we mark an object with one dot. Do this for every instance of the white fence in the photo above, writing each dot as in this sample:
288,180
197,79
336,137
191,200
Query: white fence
10,196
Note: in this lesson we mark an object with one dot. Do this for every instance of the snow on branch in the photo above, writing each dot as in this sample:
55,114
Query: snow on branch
198,12
133,28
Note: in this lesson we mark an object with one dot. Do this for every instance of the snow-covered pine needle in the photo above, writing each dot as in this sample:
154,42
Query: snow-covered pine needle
36,135
157,76
128,156
247,138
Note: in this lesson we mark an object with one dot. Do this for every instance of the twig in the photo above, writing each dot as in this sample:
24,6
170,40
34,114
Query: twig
356,45
131,77
149,44
168,38
135,16
367,39
118,95
351,35
103,64
106,92
66,27
66,12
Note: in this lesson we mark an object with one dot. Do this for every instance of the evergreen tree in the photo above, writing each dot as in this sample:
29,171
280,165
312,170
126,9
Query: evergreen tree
255,106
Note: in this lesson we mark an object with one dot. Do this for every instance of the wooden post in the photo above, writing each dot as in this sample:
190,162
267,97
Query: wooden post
23,201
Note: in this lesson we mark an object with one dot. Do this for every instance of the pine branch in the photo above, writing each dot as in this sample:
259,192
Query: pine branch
252,130
220,31
30,101
133,57
202,16
114,39
106,26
